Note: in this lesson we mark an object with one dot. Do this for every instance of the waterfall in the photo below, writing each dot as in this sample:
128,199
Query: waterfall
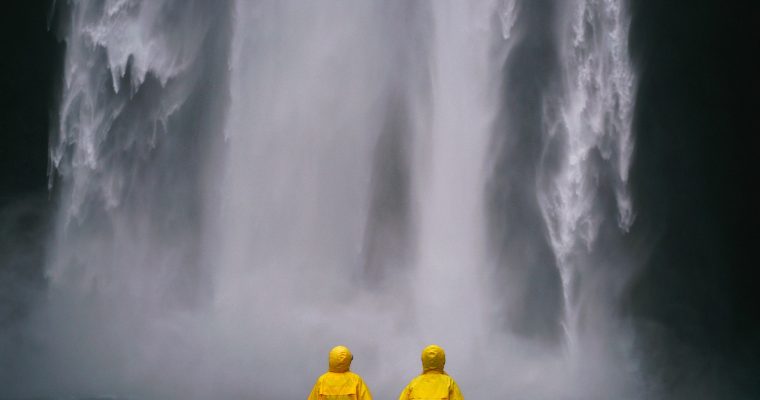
589,123
132,74
450,178
243,185
142,98
313,129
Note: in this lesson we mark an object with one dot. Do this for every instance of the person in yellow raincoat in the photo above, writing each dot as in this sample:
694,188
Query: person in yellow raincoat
338,383
434,382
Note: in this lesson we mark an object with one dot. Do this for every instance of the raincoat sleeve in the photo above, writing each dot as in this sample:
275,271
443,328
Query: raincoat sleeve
454,393
404,394
362,391
314,395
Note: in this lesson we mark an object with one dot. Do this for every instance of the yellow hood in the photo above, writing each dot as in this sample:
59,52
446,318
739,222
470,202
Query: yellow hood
340,359
433,358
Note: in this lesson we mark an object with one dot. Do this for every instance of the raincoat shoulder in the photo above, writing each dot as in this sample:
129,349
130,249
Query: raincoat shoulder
431,386
340,386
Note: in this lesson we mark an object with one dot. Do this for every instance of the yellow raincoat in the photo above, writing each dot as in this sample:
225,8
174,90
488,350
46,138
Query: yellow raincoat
339,383
433,383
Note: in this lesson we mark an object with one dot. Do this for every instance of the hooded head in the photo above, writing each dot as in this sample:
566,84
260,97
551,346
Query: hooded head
340,359
433,358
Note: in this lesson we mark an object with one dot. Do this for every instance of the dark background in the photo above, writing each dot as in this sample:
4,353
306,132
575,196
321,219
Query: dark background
31,66
695,301
29,75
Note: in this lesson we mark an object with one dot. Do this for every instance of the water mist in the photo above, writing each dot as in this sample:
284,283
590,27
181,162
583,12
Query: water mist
242,185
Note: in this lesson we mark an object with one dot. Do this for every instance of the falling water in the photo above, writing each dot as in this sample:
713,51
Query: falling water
243,185
451,178
589,120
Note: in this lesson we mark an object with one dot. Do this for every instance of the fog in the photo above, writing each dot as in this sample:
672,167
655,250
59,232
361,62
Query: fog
241,186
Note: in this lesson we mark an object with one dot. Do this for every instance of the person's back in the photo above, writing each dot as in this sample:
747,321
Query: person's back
434,382
339,383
